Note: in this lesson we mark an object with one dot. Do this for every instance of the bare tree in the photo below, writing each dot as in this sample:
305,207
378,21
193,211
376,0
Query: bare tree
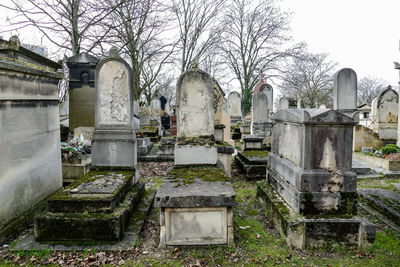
368,88
69,25
254,39
197,20
309,77
138,38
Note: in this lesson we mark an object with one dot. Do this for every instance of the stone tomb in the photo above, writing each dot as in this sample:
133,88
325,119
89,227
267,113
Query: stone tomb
30,162
310,174
195,200
98,206
253,160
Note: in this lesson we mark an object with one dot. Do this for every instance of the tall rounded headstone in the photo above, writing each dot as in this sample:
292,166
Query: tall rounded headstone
345,91
235,103
114,140
260,107
195,104
386,114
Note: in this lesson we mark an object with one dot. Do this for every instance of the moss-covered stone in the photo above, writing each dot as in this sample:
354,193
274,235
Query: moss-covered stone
64,201
255,153
199,140
187,174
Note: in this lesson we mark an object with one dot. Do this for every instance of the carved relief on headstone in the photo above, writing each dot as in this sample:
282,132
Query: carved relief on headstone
113,92
386,114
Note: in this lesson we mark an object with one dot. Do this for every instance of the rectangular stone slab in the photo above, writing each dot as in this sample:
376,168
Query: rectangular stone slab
66,201
195,194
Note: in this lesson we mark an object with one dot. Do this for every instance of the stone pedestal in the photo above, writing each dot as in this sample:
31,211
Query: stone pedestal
194,154
194,211
264,130
219,132
224,160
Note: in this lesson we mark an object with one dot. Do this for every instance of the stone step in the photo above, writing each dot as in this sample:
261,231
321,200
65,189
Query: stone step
56,227
128,242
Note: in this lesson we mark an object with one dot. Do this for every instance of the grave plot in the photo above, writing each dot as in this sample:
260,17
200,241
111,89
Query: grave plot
195,200
99,206
253,160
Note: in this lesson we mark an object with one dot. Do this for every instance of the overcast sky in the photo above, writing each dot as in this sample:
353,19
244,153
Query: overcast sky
359,34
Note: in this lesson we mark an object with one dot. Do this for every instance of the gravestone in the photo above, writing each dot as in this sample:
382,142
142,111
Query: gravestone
30,159
194,210
226,120
310,169
81,90
218,98
283,103
114,140
235,104
386,114
345,91
261,125
195,118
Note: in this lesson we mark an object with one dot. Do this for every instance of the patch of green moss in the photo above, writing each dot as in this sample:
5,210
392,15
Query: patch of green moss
255,153
187,175
63,194
223,143
197,141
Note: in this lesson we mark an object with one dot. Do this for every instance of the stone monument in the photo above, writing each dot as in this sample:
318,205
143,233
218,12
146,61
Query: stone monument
261,125
114,140
386,114
195,210
345,92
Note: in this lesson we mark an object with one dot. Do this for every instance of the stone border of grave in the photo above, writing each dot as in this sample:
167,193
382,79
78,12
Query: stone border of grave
389,165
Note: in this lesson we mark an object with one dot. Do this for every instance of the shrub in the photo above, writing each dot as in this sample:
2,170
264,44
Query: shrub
388,149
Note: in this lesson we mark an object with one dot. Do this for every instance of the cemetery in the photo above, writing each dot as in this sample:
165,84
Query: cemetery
101,165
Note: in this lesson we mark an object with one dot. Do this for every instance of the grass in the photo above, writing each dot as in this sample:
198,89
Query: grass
381,183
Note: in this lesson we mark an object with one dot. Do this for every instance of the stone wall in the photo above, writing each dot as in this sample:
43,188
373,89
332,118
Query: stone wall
364,136
30,159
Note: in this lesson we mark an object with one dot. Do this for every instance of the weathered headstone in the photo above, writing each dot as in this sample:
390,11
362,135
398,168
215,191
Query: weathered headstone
261,124
114,140
235,104
345,91
198,212
30,162
310,168
226,120
195,117
283,103
386,114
